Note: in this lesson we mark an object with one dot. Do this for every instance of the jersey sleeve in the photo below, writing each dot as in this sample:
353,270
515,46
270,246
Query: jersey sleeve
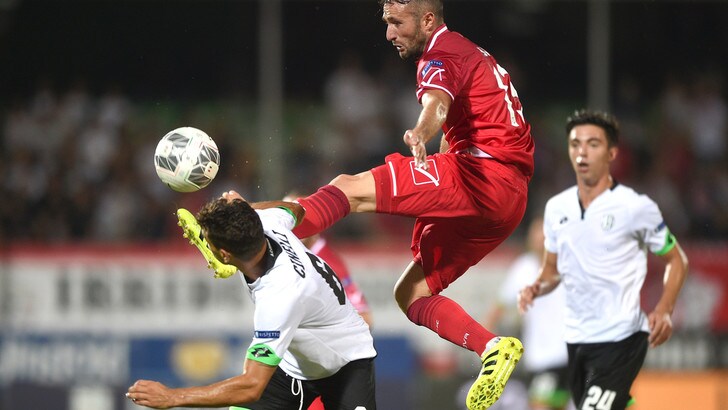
275,322
439,73
650,226
277,217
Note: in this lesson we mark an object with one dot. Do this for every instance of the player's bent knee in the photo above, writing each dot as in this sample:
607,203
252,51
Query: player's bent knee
359,190
405,297
402,297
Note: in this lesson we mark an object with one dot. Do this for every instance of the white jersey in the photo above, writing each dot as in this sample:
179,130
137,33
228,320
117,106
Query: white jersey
303,321
543,324
602,258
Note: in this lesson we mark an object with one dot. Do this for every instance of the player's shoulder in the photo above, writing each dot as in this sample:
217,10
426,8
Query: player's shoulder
287,282
561,207
630,197
625,191
450,45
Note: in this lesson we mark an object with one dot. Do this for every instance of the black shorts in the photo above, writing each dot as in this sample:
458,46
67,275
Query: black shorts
601,374
350,388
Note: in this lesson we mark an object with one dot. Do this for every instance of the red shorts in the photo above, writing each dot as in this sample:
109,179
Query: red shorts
465,207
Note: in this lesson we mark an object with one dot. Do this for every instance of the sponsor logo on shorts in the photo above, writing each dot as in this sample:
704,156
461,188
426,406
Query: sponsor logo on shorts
422,177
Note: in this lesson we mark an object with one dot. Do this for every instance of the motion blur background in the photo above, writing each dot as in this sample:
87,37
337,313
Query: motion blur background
98,289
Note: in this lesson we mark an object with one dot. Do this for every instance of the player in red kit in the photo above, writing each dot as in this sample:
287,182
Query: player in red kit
467,199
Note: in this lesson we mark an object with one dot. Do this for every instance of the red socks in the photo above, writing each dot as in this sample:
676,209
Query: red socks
450,321
323,209
440,314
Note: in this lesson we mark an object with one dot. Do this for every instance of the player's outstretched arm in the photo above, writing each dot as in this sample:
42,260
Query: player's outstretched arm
435,106
295,208
676,269
245,388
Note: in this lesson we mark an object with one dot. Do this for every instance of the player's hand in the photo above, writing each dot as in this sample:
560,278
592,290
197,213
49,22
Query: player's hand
526,297
417,147
232,195
660,327
150,394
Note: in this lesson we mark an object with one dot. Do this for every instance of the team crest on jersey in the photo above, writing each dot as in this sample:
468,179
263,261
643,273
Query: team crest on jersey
430,64
607,222
429,176
267,334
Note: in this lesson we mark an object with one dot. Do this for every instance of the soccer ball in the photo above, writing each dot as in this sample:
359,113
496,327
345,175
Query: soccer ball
186,159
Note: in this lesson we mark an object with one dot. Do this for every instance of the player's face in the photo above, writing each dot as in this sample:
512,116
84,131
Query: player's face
215,250
404,29
590,153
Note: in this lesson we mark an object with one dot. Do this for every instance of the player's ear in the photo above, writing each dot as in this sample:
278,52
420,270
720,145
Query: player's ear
226,256
613,151
429,21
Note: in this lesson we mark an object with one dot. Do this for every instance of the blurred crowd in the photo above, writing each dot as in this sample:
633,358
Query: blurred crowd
70,169
77,163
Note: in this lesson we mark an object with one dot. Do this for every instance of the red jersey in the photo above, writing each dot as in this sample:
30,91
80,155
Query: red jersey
486,113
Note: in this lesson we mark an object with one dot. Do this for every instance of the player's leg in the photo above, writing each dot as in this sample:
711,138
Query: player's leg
448,247
359,189
345,194
440,314
397,188
352,387
450,321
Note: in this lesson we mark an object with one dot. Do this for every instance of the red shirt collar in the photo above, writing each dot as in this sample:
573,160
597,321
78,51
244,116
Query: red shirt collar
431,42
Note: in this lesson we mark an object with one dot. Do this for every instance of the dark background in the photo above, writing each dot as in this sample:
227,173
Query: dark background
192,49
198,62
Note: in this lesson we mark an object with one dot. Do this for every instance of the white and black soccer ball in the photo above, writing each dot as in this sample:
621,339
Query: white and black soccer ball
186,159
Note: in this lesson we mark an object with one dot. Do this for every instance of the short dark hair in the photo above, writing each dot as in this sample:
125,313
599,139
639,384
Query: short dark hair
233,226
434,6
601,119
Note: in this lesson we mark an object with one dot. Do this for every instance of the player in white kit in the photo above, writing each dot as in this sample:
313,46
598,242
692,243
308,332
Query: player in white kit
597,237
308,341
